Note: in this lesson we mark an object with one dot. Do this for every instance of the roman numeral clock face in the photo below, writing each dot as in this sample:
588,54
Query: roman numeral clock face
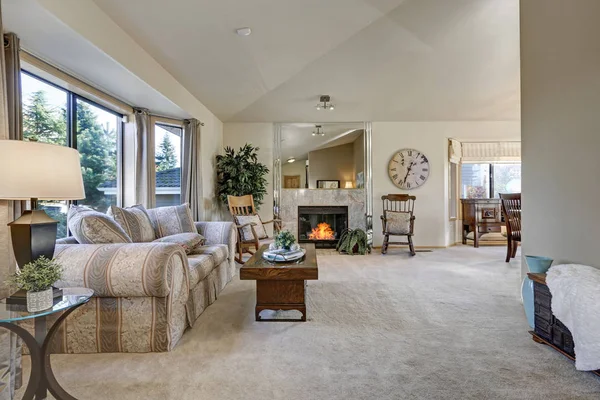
409,169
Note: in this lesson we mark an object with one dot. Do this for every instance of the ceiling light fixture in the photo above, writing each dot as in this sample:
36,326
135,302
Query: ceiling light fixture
325,103
291,160
319,131
243,31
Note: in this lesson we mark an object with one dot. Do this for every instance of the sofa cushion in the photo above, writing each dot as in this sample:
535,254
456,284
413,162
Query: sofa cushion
247,230
93,227
135,221
172,220
218,252
189,241
200,266
397,222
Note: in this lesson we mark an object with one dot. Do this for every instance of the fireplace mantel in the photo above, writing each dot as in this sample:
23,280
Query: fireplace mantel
292,198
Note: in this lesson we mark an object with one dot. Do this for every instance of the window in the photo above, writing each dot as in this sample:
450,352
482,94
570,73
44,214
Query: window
167,158
98,145
489,180
55,115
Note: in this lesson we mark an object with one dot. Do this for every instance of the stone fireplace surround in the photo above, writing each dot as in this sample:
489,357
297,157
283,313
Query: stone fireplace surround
292,198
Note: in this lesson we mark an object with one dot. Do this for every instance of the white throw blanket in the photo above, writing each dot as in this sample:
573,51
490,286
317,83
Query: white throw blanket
575,293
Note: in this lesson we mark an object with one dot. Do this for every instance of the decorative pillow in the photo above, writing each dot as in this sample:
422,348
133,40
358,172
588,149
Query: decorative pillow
135,221
93,227
189,241
397,222
247,230
172,220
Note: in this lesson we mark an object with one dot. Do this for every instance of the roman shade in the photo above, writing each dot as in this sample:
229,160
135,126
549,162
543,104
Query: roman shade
491,152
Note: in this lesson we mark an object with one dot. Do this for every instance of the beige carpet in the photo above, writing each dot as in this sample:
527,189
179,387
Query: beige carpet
440,325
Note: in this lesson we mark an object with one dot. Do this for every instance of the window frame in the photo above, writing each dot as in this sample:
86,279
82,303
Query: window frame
72,98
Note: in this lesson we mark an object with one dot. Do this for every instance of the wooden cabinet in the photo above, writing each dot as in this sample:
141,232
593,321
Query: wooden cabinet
480,216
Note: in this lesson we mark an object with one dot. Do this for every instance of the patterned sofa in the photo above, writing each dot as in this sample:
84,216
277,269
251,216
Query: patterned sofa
146,294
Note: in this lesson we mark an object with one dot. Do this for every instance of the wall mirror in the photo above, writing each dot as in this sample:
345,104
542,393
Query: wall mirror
317,164
322,155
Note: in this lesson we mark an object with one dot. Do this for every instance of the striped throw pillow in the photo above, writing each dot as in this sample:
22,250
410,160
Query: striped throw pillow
172,220
135,221
93,227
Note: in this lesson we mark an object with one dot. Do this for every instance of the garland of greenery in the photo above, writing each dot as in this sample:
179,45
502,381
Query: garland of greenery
353,242
240,174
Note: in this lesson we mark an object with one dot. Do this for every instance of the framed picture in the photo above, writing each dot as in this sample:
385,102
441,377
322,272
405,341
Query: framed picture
360,180
488,213
325,184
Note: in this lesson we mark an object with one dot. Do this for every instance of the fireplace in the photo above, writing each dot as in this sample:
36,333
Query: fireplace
321,225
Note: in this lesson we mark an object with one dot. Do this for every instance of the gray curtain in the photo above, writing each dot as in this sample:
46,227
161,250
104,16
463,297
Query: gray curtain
191,173
145,175
9,351
14,101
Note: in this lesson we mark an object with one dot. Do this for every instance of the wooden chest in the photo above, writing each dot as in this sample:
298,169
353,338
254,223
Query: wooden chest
547,326
548,329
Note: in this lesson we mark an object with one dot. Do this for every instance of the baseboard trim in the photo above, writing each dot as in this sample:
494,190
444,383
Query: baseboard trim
400,246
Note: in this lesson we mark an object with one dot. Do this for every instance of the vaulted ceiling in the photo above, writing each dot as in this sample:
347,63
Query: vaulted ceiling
380,60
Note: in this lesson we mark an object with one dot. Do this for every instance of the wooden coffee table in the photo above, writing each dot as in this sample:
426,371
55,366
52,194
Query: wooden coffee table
281,286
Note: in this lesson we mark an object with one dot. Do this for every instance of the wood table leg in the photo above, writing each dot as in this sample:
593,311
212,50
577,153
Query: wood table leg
280,295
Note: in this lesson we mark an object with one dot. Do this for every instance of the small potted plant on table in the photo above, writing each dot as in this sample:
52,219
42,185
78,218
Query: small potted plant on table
37,278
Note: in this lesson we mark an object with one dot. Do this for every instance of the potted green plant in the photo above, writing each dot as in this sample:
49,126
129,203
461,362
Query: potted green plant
240,174
285,240
37,278
353,242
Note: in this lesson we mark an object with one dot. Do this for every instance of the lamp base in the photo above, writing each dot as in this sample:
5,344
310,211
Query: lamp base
33,235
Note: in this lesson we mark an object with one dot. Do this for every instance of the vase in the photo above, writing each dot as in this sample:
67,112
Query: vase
40,301
528,304
536,265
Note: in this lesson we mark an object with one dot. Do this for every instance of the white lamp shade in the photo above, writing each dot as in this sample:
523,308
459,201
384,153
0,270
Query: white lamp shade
32,170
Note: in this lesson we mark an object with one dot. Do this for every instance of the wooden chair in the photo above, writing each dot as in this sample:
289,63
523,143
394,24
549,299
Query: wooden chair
398,203
511,208
244,206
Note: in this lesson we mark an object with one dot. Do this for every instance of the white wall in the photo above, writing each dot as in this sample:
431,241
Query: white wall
258,134
432,225
560,96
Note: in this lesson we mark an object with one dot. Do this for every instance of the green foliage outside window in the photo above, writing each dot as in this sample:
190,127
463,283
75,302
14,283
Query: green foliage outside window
97,145
166,158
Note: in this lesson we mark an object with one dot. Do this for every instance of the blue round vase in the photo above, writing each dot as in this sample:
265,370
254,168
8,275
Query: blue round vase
537,265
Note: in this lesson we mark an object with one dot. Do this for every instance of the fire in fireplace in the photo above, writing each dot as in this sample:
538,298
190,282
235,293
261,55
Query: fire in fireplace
323,231
322,225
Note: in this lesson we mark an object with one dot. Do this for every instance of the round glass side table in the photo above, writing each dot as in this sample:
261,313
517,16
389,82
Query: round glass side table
42,378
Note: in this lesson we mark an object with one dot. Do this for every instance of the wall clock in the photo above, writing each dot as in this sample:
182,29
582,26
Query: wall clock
408,169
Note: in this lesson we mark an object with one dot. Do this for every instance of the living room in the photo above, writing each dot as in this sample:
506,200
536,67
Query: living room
344,102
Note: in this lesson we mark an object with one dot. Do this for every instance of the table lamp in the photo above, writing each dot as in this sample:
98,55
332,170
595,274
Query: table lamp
32,171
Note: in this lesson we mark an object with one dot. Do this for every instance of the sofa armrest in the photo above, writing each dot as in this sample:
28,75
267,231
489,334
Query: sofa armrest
219,233
124,269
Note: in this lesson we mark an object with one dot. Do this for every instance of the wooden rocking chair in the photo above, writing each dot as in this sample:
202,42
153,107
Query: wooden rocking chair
398,220
240,208
511,208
